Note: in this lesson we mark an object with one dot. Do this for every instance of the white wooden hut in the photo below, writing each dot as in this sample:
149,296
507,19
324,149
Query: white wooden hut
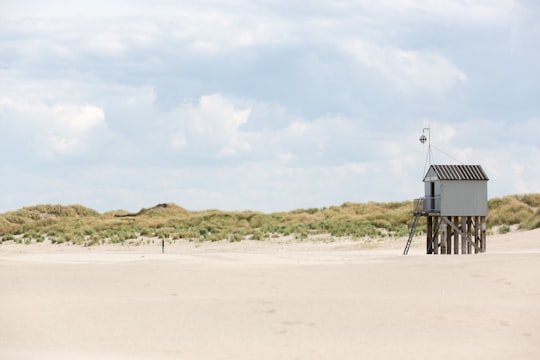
456,205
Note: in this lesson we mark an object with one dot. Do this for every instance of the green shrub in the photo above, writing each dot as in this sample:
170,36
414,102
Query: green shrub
235,237
147,232
9,238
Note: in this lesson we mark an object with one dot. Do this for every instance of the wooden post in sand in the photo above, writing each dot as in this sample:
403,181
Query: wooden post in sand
449,239
456,235
443,238
476,235
429,235
483,246
436,236
463,238
469,233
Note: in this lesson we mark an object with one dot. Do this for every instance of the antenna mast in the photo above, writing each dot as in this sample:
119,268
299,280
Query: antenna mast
423,140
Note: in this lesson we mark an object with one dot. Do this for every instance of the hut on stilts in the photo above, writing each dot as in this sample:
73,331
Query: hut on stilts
455,205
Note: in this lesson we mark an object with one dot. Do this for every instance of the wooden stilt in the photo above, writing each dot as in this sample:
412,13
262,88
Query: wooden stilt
463,232
449,239
456,235
468,232
429,235
436,236
483,239
442,232
477,240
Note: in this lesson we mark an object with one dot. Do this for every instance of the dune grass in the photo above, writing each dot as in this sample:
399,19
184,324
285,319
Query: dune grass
521,210
77,224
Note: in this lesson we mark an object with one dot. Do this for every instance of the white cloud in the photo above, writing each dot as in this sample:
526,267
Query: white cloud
512,169
443,133
76,120
407,70
477,12
55,131
71,127
213,125
299,128
351,169
210,28
218,117
390,148
203,30
285,157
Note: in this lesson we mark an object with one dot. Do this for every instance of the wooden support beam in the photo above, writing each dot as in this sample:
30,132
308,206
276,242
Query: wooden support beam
465,240
449,239
436,236
429,235
443,231
456,235
483,238
443,237
463,236
477,240
437,244
469,232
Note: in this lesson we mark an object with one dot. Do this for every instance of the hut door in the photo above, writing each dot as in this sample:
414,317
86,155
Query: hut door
432,195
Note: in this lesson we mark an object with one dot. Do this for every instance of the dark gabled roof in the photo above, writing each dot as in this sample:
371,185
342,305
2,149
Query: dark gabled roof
458,172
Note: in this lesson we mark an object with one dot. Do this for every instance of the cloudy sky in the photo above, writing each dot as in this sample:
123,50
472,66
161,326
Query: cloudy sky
266,105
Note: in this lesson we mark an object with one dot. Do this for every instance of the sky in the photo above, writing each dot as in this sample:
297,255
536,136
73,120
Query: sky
266,105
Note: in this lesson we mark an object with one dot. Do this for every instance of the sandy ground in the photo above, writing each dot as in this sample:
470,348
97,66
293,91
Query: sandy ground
270,300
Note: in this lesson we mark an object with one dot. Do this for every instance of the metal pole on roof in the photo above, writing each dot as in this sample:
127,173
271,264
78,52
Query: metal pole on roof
423,140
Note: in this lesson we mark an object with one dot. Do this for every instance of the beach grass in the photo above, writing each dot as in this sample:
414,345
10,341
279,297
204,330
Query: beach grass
77,224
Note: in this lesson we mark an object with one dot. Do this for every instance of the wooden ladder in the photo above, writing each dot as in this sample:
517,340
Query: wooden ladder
417,214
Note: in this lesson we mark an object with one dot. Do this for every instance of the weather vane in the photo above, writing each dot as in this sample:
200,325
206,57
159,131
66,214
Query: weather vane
423,139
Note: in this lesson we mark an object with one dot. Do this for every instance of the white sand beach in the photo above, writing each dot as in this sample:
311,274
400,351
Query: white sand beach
271,300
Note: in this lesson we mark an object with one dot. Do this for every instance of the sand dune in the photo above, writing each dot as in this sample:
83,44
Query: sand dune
271,300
